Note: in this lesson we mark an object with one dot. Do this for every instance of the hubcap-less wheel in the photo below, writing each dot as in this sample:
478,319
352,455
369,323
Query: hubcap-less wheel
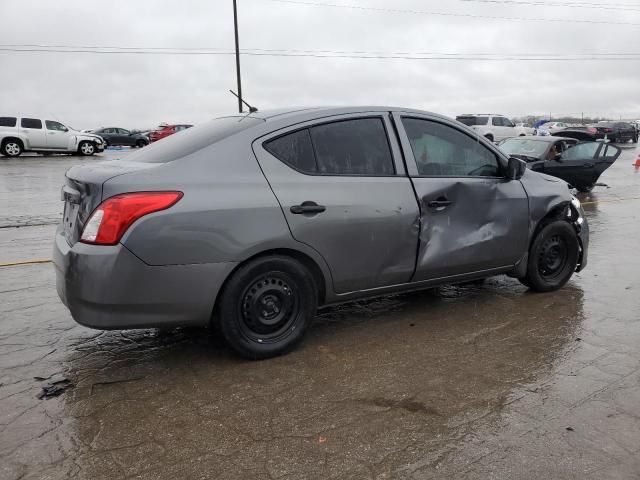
553,257
87,148
269,307
12,149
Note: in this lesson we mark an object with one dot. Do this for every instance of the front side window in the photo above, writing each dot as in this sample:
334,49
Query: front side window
442,151
8,121
57,126
581,151
31,123
496,121
122,131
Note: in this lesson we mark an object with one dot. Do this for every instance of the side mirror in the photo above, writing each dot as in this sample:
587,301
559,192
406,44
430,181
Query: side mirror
515,169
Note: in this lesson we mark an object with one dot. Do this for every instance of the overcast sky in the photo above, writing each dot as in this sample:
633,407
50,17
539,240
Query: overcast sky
141,90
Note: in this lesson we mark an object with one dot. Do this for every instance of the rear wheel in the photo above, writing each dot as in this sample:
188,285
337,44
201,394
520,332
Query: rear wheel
553,257
11,148
141,143
86,148
266,306
489,137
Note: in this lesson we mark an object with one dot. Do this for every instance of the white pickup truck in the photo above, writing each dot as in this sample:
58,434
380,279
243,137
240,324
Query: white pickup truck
494,127
26,134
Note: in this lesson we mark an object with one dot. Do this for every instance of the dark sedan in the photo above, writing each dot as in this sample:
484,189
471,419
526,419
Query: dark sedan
121,137
617,132
579,164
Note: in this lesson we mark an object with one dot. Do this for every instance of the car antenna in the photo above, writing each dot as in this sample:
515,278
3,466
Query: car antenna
251,109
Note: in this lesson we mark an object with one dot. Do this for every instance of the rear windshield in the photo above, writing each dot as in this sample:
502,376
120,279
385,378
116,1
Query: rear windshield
193,139
471,120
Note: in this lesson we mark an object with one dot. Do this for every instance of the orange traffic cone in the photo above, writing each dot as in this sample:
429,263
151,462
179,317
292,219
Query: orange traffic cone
637,164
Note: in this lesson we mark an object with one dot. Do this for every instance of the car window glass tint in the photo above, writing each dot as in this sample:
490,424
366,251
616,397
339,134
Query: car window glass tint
7,121
51,125
440,150
31,123
295,150
496,121
353,147
582,150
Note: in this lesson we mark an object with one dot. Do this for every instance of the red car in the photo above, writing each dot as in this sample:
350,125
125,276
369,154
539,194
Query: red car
166,130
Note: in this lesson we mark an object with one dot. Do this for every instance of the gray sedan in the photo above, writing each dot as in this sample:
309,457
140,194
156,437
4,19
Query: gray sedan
249,223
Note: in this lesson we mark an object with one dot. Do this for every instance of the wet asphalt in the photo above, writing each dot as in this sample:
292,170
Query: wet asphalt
465,382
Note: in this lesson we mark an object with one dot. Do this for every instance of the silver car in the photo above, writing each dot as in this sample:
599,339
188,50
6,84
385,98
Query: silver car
249,223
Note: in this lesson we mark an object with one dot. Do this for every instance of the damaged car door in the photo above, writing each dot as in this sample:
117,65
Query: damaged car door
472,219
581,165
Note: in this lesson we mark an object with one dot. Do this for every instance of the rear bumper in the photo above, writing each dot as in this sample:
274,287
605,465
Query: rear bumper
108,287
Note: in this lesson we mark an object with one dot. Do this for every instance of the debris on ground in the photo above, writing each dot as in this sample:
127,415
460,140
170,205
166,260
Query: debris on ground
56,385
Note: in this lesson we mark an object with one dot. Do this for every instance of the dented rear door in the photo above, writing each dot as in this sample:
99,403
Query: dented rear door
471,217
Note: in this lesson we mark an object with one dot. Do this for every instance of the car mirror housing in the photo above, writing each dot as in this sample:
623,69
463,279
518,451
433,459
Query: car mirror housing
515,169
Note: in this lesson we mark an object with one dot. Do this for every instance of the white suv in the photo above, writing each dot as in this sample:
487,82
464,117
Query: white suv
22,134
493,127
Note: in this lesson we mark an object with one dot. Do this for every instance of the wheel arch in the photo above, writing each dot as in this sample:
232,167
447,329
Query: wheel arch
15,138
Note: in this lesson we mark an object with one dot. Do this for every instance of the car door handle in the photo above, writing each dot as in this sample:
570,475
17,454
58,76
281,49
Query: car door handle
440,203
307,207
587,165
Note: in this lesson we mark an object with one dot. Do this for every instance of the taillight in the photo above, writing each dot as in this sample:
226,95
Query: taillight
593,130
115,215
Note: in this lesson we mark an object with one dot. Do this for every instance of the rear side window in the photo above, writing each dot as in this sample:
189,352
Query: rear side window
7,121
294,149
346,147
353,147
31,123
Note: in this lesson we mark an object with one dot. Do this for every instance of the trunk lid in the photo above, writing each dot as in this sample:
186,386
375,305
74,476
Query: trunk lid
82,192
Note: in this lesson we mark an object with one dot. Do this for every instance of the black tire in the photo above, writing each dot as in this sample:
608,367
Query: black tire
12,148
489,137
86,148
553,257
141,143
266,307
585,189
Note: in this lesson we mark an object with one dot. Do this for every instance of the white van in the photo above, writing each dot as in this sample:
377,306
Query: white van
23,134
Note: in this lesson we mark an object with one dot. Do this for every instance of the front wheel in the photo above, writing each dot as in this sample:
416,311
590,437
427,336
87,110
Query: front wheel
553,257
266,306
86,148
141,143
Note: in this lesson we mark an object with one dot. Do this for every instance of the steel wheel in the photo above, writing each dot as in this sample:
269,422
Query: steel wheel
552,257
269,307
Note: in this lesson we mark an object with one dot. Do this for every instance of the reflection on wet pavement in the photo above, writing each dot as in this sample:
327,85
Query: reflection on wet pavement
474,381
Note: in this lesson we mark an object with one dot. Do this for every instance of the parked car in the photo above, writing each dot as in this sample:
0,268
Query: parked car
579,164
616,132
166,130
493,127
250,222
550,128
524,129
26,134
584,134
119,136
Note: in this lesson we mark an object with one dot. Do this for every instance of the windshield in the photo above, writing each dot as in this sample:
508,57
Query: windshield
524,146
471,120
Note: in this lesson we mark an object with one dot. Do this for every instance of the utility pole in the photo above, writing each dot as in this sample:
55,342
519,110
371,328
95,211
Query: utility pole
235,27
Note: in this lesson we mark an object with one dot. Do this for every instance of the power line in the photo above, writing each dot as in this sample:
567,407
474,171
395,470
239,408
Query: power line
598,6
225,51
450,14
439,56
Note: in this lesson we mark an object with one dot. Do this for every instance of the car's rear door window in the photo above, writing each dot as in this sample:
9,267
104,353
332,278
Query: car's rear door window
443,151
8,121
581,151
346,147
353,147
31,123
